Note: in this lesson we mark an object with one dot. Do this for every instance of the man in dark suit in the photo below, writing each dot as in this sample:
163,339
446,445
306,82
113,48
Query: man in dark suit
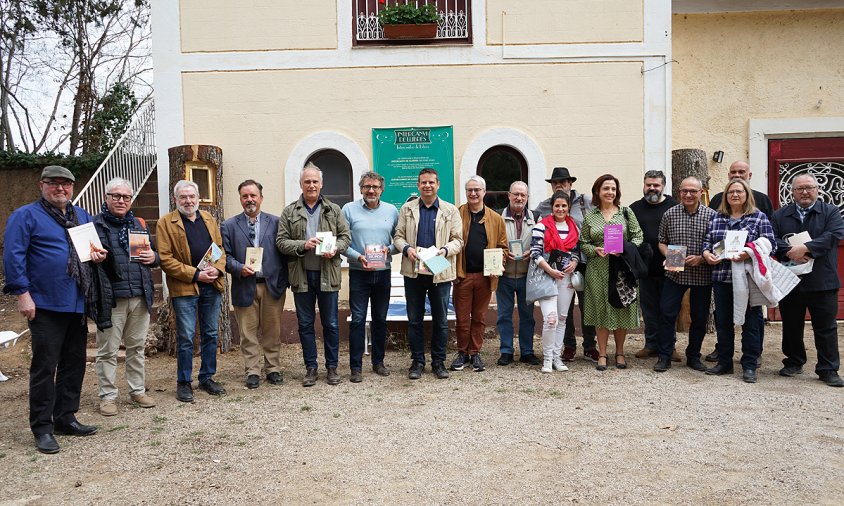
818,290
257,294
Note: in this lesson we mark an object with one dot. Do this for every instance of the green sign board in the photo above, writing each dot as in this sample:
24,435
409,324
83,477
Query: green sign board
400,153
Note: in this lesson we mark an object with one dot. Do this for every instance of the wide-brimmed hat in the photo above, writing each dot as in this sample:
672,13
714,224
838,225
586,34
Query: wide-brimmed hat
561,174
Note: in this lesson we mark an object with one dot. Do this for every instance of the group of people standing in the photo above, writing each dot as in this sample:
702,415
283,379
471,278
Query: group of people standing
551,256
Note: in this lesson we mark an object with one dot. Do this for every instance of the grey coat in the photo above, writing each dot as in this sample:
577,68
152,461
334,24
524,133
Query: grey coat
235,231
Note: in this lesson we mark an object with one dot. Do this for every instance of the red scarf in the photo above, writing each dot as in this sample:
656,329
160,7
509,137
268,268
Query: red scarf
552,235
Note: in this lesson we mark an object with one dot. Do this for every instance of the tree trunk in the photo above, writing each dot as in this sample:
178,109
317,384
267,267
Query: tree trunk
685,163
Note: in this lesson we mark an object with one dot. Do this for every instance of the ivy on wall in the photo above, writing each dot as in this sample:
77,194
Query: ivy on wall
83,164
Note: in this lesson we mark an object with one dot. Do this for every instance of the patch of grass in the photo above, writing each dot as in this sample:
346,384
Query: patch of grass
501,390
155,443
2,455
555,393
196,433
528,390
336,415
197,451
241,443
117,428
34,458
305,407
159,419
238,398
157,430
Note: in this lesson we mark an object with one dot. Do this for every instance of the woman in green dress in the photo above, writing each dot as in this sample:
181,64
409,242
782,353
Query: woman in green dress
606,195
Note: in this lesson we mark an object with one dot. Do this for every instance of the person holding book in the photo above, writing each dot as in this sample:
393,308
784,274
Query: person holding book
428,224
822,229
53,288
313,231
649,211
372,224
737,217
259,282
684,227
190,248
518,223
606,229
561,180
483,229
132,294
554,249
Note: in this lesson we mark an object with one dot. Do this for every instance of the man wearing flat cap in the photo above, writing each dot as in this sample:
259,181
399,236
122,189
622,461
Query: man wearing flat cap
54,289
561,181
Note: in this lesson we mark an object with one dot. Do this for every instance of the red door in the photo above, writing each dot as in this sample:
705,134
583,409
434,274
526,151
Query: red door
824,158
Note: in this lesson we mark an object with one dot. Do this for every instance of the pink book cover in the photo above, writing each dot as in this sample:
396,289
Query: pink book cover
613,238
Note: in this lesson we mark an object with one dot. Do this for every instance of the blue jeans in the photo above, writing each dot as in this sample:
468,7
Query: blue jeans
670,303
415,290
751,331
366,287
306,315
206,305
504,295
650,294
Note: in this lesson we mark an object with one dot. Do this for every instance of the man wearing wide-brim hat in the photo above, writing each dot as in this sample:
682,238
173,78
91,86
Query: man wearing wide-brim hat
561,181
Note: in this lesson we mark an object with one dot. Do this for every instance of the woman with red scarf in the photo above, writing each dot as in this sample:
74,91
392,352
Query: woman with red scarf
554,250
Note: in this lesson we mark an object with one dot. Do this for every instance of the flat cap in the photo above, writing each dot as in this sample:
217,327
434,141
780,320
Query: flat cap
57,171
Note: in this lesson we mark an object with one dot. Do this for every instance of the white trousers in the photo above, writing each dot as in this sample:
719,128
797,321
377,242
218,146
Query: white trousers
554,312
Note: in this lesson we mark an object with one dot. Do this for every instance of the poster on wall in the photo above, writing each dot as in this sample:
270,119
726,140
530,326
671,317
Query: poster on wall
399,154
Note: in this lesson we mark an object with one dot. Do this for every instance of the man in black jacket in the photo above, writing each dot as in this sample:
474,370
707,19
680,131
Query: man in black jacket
132,294
818,290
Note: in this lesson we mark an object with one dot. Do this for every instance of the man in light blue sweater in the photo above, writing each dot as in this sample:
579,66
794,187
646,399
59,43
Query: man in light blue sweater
372,224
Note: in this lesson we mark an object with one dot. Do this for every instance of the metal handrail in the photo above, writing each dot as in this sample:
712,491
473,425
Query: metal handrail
133,158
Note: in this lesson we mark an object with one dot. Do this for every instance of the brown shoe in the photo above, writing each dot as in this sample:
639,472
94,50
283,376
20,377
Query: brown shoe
646,353
675,357
143,400
381,370
332,378
108,408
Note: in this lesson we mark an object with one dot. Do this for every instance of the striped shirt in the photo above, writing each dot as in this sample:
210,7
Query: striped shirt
681,228
756,224
537,243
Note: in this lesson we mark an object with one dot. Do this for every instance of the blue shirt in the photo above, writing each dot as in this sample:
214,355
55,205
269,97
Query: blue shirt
35,259
426,234
756,224
370,226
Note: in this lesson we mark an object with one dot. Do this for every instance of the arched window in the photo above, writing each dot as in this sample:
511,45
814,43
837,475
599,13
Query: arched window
336,175
500,166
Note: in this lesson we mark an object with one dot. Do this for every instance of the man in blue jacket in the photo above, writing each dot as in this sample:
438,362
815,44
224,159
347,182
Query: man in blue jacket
44,271
817,290
257,294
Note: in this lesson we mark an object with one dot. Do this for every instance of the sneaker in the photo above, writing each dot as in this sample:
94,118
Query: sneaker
529,359
505,359
184,392
547,365
459,361
591,355
108,407
212,387
646,353
559,365
143,400
415,371
568,354
712,357
439,370
831,378
791,370
477,363
356,376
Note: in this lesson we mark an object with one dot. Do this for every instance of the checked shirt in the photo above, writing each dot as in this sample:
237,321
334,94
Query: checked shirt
756,224
681,228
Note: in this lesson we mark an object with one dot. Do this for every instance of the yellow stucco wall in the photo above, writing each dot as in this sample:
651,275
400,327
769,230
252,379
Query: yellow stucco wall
738,66
257,25
564,22
588,117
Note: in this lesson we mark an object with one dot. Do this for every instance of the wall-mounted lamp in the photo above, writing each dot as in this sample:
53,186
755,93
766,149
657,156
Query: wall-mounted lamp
717,156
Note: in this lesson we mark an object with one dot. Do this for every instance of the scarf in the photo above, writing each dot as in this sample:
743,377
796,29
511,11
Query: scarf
75,269
124,223
552,236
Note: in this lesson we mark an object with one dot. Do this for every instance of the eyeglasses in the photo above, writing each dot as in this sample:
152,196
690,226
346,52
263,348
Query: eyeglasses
117,197
474,190
368,187
516,194
805,189
56,184
736,192
688,192
186,197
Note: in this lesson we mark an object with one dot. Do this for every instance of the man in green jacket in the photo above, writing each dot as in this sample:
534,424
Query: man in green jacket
306,229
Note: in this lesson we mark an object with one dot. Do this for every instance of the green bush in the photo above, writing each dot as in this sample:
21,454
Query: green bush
408,14
83,164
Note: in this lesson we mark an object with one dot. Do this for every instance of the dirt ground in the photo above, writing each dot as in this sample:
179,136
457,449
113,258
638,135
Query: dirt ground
502,436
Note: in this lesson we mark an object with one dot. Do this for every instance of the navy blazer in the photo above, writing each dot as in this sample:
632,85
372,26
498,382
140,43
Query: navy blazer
825,226
235,231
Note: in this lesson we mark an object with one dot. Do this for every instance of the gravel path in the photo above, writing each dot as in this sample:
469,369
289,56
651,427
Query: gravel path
507,435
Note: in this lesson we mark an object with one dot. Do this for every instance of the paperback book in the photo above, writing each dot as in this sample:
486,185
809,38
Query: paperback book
375,256
85,240
493,262
675,258
138,243
613,238
327,242
255,258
